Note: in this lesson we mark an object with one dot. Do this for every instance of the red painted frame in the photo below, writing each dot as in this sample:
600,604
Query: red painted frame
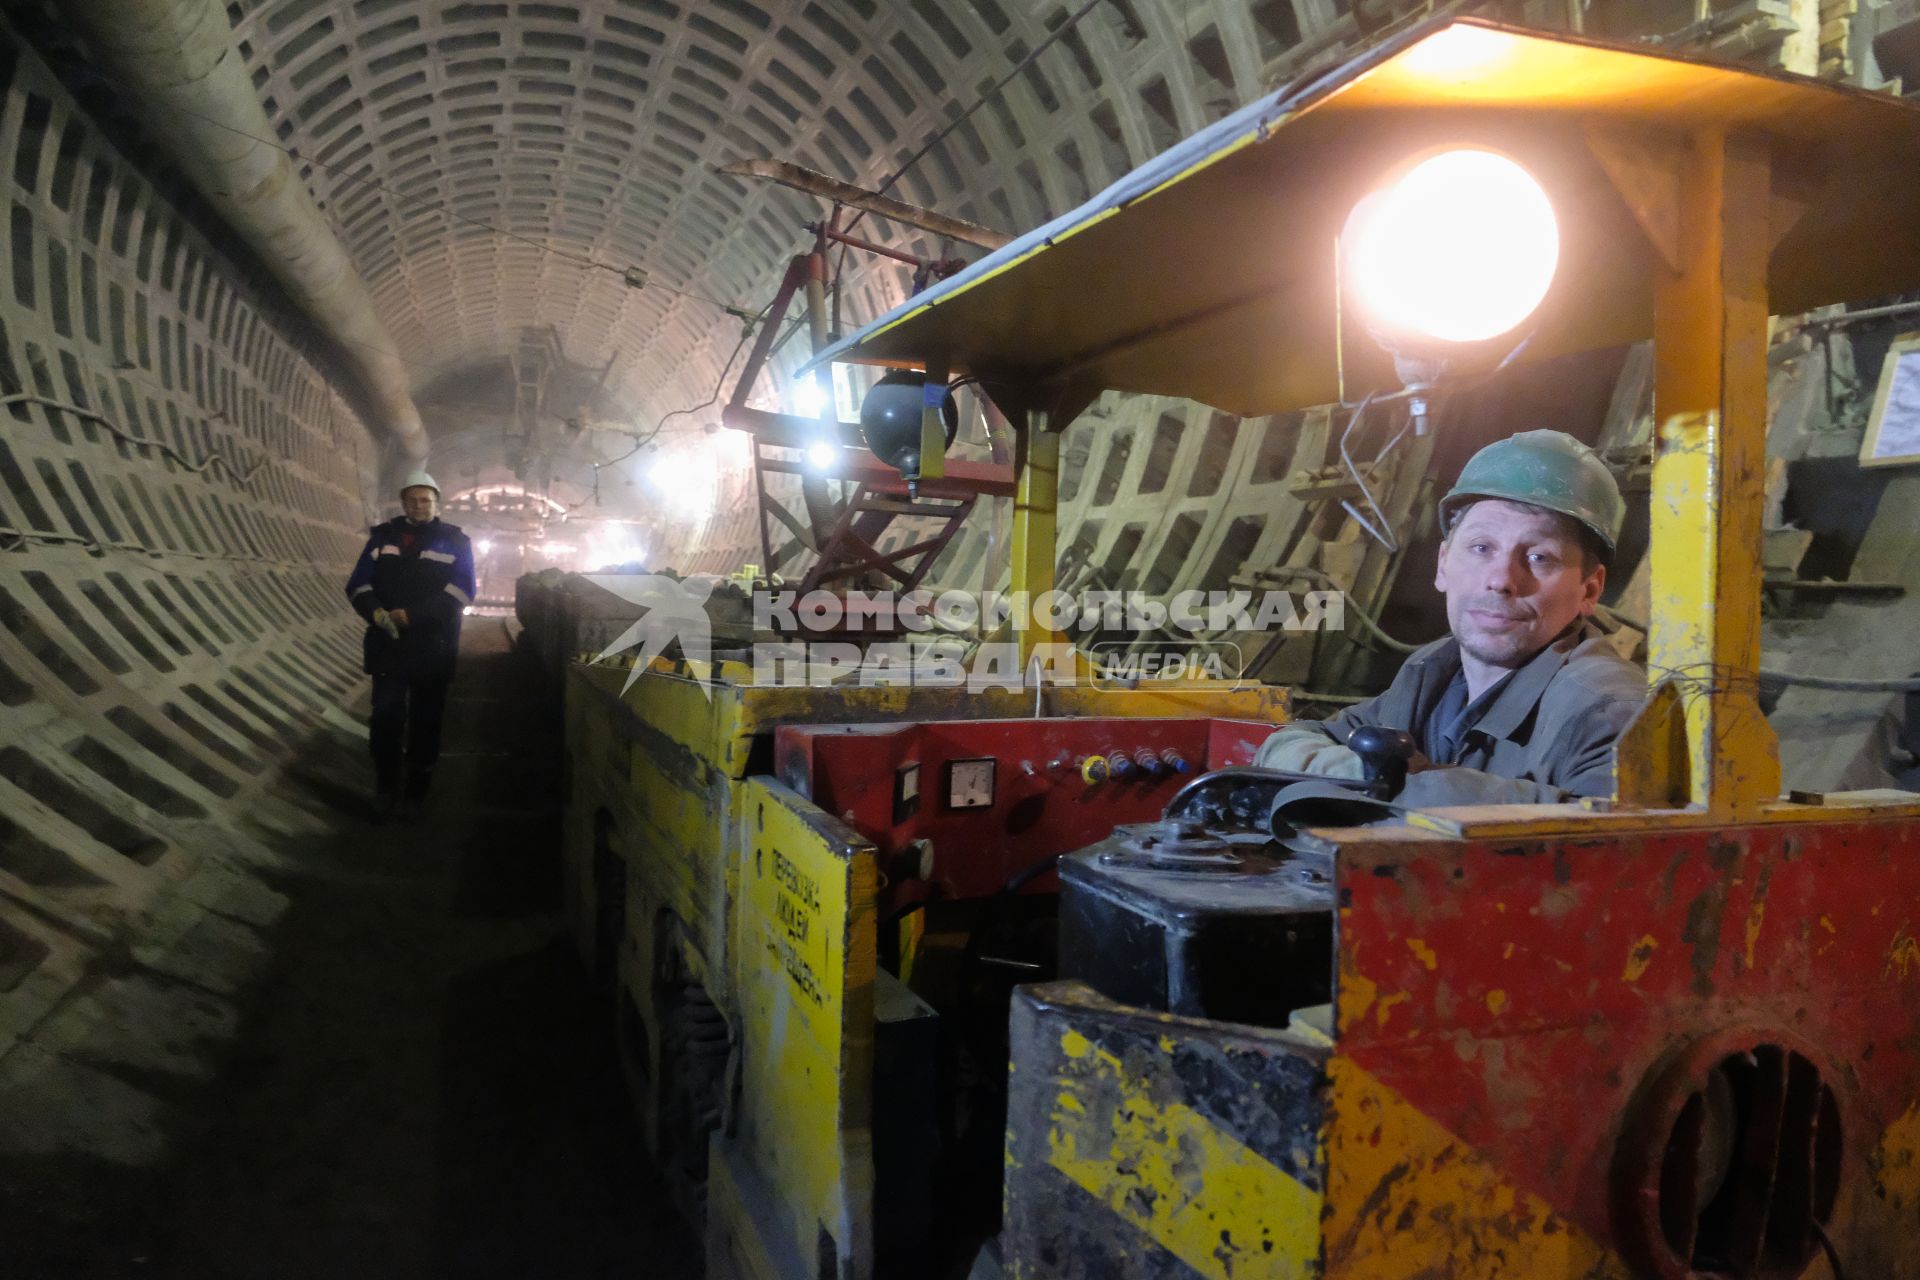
849,771
1529,996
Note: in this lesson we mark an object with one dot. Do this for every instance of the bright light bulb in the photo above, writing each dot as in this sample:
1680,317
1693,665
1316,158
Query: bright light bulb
686,480
484,545
809,398
1456,53
821,456
1461,248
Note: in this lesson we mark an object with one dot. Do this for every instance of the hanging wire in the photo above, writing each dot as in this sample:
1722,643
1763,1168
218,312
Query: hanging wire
940,136
1765,677
1368,622
1826,1247
1382,531
138,442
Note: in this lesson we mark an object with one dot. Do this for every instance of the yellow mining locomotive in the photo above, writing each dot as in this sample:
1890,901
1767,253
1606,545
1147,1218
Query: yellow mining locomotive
1672,1034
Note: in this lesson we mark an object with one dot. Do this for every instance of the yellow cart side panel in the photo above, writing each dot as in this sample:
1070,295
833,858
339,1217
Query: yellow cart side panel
801,1131
669,804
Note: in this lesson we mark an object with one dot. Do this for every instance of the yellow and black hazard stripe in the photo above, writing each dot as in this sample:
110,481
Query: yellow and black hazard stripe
1143,1144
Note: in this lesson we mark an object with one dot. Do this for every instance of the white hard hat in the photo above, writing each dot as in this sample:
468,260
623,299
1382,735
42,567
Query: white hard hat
418,480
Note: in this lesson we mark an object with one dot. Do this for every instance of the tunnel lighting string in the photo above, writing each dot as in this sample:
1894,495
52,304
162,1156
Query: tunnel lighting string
139,442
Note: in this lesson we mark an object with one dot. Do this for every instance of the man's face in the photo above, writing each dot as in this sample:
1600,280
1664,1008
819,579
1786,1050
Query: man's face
1514,577
420,503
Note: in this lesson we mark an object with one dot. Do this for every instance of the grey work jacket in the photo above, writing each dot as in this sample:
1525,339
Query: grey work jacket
1547,735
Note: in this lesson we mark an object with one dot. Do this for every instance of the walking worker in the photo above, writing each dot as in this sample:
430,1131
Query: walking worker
1523,702
412,584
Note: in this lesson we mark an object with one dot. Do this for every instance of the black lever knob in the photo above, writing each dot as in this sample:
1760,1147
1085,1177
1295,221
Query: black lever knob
1384,754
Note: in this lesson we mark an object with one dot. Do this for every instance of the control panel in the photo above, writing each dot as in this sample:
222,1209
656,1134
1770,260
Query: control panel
961,809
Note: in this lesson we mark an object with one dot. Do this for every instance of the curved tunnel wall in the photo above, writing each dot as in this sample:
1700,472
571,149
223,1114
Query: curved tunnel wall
165,631
169,625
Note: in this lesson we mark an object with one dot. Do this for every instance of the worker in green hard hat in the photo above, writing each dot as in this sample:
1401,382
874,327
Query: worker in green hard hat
1524,701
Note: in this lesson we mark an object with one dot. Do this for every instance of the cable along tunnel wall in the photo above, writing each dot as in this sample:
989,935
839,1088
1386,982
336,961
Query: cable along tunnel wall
168,627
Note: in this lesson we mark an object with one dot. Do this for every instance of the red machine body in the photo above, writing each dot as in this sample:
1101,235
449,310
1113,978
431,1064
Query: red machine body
1040,801
1614,1023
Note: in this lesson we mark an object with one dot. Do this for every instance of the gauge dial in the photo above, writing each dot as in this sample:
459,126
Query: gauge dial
970,784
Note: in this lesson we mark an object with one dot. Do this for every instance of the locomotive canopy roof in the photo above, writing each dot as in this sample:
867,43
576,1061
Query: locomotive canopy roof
1209,272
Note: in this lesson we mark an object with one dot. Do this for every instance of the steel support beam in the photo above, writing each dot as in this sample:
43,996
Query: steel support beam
1709,471
1035,513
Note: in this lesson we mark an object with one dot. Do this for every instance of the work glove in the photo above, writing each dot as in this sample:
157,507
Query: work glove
383,620
1301,750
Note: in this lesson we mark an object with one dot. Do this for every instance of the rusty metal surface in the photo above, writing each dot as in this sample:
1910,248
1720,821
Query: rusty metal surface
1147,1145
1515,1007
814,183
1594,1056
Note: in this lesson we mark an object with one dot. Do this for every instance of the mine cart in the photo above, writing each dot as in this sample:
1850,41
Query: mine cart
1672,1033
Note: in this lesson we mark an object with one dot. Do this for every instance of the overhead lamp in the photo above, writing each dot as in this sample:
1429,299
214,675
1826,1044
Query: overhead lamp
1447,259
821,455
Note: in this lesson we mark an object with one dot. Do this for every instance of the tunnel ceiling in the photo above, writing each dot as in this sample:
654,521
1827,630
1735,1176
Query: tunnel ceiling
494,168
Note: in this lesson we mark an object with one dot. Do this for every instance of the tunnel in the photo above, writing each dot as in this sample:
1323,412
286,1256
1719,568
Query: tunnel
265,260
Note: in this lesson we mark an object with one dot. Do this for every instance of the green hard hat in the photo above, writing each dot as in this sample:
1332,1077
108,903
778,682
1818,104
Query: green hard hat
1547,469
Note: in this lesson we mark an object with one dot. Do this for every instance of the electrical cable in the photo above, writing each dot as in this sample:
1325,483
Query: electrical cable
1832,684
1367,621
718,386
1837,684
140,442
1826,1246
642,441
986,95
1383,532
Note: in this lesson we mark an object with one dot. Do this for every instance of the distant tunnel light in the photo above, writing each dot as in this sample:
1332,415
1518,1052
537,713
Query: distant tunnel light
685,478
809,397
1460,248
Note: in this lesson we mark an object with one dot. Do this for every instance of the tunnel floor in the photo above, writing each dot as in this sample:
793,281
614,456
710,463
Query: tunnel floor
417,1080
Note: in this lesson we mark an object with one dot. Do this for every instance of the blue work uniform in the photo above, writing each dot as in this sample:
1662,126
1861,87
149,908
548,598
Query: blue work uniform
426,570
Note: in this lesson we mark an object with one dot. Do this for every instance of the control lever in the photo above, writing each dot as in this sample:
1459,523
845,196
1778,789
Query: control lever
1384,754
1238,798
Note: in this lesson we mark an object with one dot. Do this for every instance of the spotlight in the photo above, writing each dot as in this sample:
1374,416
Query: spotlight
890,420
1459,248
